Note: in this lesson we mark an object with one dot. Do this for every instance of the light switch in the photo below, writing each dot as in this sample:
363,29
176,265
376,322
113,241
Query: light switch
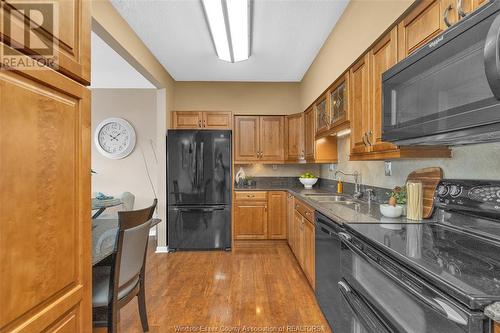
388,168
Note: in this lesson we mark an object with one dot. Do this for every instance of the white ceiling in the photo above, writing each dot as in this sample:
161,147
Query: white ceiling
110,70
287,35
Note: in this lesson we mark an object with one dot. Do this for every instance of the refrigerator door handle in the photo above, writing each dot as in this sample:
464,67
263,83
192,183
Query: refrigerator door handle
197,210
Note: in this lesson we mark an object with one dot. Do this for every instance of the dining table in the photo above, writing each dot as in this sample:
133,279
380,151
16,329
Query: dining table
105,236
100,205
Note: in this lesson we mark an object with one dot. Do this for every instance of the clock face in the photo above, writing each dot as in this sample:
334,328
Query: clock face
115,138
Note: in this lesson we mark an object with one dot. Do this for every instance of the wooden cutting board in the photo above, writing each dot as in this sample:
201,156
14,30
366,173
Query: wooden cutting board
429,177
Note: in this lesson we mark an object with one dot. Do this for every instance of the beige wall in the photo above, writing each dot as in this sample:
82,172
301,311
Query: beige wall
137,106
362,22
238,97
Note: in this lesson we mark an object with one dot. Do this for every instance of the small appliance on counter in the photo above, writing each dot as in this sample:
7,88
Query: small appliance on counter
199,189
434,277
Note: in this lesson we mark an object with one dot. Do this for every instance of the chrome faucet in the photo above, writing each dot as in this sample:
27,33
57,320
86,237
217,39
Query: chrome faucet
356,175
371,195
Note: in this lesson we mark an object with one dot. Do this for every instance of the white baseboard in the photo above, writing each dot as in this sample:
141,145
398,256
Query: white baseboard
161,249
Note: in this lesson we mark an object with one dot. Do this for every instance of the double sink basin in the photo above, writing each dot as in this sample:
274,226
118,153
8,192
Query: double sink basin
333,199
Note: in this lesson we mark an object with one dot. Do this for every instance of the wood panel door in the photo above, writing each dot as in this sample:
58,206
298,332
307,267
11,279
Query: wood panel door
70,34
276,218
45,226
308,251
309,134
271,142
250,220
289,217
217,120
360,105
423,23
246,138
187,120
382,56
297,236
294,137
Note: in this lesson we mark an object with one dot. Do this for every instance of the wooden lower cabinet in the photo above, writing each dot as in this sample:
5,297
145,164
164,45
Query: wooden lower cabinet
308,251
290,208
250,220
496,327
276,219
260,215
302,239
45,242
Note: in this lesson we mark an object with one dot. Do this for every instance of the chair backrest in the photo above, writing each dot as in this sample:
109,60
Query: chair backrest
128,200
132,245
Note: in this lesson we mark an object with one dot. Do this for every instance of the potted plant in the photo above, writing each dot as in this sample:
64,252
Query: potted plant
398,197
308,180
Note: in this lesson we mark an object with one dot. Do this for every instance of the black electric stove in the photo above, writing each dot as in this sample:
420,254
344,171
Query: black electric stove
454,258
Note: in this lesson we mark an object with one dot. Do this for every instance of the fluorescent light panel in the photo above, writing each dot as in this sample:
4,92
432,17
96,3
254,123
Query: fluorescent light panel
237,12
238,24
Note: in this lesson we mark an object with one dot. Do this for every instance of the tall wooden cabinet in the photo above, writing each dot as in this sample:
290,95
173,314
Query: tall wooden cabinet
45,242
259,139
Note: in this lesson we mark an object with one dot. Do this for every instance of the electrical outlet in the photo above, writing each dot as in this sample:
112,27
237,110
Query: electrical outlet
388,168
332,167
275,167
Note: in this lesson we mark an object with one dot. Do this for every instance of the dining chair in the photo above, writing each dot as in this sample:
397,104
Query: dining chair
116,284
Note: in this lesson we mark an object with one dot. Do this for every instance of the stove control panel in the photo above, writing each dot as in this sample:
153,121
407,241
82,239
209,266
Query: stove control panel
479,196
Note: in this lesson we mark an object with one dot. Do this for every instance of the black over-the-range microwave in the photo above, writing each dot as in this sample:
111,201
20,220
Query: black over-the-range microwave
448,91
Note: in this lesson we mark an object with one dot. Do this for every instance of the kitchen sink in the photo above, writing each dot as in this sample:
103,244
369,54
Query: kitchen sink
329,198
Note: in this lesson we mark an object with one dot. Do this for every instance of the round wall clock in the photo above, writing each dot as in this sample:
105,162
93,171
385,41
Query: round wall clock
114,138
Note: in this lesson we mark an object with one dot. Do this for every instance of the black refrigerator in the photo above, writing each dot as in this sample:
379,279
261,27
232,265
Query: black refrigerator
199,189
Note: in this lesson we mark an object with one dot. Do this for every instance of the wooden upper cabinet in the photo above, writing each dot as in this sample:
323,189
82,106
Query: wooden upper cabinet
309,134
382,57
217,120
271,138
294,138
45,242
201,120
339,104
187,120
423,23
259,139
360,115
322,112
246,138
70,35
277,213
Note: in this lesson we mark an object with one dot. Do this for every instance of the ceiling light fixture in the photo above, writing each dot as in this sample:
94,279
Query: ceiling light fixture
229,23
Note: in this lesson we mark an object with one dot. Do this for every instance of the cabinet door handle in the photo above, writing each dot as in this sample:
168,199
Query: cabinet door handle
460,9
204,123
445,15
199,123
364,140
368,136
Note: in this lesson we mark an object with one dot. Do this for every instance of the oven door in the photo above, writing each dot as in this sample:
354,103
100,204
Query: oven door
385,297
448,91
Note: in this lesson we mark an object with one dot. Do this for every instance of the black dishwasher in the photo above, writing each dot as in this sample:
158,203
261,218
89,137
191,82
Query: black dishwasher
328,273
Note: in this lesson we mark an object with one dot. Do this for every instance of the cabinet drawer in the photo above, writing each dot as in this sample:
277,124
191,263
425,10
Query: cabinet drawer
250,196
304,210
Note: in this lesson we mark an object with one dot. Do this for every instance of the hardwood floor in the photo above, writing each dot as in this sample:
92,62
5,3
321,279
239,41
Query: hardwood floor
252,286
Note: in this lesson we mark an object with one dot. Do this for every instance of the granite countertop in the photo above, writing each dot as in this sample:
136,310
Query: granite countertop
339,212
